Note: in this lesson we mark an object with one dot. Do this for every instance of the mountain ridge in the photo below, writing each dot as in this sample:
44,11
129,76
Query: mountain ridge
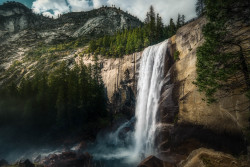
22,31
15,17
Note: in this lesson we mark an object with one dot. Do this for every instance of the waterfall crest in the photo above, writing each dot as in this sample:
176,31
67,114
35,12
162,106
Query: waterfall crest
148,94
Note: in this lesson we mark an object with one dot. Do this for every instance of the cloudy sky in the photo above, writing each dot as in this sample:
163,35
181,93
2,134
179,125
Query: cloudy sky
166,8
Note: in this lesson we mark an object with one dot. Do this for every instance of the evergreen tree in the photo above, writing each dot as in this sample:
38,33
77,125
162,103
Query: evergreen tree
179,21
65,98
172,27
131,40
92,46
159,28
199,7
222,61
182,20
150,23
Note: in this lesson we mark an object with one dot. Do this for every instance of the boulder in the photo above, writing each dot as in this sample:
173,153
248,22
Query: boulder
203,157
24,163
81,146
66,159
37,159
3,162
153,161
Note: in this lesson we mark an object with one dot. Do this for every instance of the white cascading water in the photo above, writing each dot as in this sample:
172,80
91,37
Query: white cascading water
127,148
148,94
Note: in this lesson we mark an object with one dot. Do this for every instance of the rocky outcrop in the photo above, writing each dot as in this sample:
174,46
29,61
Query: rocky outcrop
228,114
15,17
67,159
203,157
22,31
24,163
153,161
119,76
3,162
185,121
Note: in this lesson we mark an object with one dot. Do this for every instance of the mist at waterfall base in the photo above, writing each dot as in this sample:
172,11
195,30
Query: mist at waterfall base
134,140
13,147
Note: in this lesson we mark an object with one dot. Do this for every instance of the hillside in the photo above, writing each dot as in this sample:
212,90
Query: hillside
22,31
139,109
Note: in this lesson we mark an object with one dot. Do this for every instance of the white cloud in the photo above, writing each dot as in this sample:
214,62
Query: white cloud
48,14
54,7
99,3
49,6
166,8
79,5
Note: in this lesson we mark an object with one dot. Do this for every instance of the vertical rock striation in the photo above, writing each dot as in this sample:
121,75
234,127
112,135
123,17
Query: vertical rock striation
185,121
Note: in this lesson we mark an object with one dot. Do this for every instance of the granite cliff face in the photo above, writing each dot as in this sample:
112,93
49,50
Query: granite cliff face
106,20
22,31
186,122
120,78
229,114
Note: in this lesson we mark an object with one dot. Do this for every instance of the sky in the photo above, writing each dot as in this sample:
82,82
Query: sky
166,8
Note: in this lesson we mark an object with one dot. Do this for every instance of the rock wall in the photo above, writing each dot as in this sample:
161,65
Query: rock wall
185,121
119,76
15,17
228,114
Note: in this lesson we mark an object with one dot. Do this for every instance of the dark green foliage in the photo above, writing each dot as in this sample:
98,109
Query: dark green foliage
222,60
200,7
65,99
182,20
159,29
176,55
43,48
121,43
172,27
178,23
135,40
150,24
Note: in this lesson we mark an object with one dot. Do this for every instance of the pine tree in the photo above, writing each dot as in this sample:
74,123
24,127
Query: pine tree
150,23
199,7
172,27
182,20
159,28
92,46
179,21
222,60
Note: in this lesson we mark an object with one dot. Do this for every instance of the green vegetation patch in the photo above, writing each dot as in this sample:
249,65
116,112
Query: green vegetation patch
134,40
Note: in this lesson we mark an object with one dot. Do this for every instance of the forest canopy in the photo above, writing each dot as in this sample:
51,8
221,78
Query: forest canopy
134,40
69,99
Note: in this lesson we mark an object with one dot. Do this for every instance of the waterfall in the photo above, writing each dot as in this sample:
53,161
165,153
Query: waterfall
148,93
125,147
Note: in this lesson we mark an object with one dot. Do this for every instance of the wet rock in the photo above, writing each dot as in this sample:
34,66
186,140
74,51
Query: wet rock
81,146
24,163
153,161
67,159
3,162
38,159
